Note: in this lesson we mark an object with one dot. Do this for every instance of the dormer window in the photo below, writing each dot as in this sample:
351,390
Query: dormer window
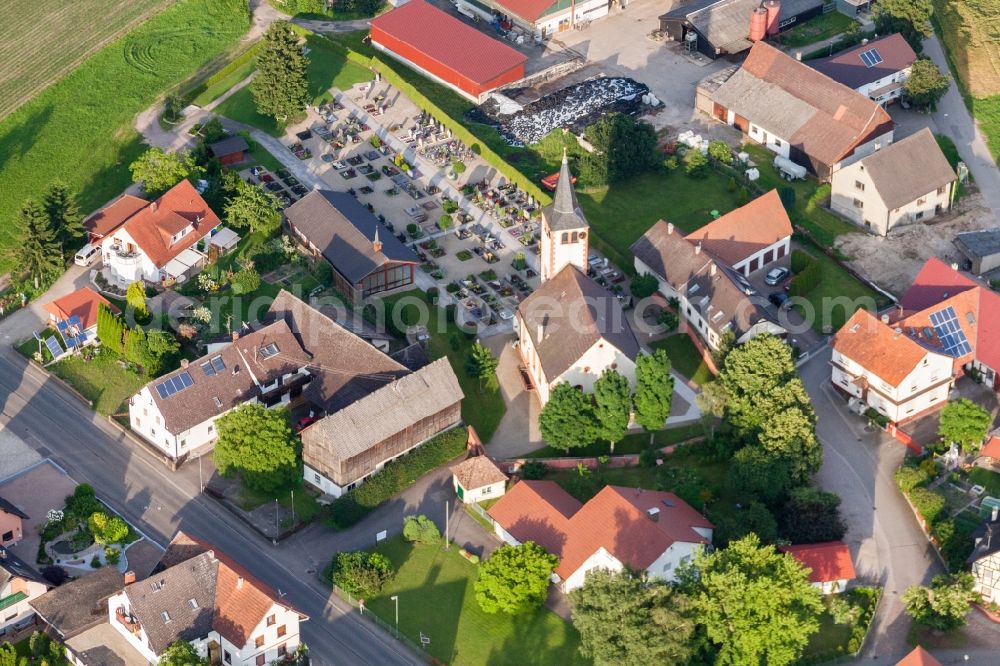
268,351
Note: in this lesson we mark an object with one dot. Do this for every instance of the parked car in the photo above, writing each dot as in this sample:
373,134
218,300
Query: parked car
776,275
87,254
779,299
506,314
340,165
305,422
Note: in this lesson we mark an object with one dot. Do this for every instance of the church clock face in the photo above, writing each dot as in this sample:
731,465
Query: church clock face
583,235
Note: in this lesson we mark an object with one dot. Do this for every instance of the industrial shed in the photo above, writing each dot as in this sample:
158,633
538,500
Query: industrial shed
445,49
719,28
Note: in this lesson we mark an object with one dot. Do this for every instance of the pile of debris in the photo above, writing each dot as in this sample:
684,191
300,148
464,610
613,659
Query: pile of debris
572,108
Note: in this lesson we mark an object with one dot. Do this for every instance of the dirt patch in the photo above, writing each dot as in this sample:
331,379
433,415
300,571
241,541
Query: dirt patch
893,262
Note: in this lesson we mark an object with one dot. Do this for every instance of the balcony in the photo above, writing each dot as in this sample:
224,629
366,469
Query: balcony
126,258
128,621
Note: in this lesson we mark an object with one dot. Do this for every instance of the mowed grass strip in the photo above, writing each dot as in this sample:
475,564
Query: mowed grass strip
968,30
80,129
42,41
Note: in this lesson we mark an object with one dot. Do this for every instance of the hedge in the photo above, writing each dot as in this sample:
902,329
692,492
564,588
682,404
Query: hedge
225,71
928,503
913,474
801,260
807,280
396,476
955,541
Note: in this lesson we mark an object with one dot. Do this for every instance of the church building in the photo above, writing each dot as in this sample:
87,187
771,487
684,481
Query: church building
571,329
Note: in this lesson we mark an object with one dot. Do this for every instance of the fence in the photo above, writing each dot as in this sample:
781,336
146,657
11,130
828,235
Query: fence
481,512
391,629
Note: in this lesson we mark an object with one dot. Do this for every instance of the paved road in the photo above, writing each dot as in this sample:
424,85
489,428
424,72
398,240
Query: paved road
887,543
48,418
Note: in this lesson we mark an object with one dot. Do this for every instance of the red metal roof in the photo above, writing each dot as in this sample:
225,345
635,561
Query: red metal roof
447,40
830,561
529,10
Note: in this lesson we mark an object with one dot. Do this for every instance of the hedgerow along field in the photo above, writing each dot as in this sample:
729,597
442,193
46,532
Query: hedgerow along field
80,128
42,41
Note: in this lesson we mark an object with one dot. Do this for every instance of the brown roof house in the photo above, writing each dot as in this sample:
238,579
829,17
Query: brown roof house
157,241
196,594
365,257
571,329
619,527
705,270
795,111
478,478
907,182
343,449
877,69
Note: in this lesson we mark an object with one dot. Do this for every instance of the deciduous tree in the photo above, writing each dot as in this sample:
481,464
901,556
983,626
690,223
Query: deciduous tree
421,529
612,405
64,216
760,475
965,423
257,442
482,365
926,84
625,620
253,208
567,419
912,18
107,528
158,171
732,524
756,605
654,389
812,515
644,285
944,605
515,579
623,148
360,572
711,402
280,89
181,653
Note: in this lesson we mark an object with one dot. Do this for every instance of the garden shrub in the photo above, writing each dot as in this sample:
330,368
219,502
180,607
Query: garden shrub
55,574
106,528
807,280
95,561
534,470
695,164
360,573
800,260
928,503
648,458
112,555
396,476
911,475
420,529
955,541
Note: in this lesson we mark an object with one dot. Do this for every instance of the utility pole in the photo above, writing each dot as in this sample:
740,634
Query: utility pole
395,598
447,516
293,508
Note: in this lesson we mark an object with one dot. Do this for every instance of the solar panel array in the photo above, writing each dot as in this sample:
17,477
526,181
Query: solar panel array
53,346
951,335
871,58
72,332
214,366
174,384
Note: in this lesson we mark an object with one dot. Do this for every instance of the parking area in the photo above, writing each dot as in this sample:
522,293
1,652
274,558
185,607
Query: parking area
36,491
800,332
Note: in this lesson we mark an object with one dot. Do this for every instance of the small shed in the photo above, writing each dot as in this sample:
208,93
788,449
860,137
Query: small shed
981,248
231,150
477,479
224,241
830,566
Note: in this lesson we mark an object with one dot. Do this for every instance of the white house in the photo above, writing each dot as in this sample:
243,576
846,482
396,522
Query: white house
207,598
876,69
705,270
985,560
910,181
830,566
19,585
478,478
904,364
571,329
795,111
645,530
159,240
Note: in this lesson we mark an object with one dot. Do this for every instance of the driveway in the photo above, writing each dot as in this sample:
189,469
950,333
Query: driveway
36,491
887,544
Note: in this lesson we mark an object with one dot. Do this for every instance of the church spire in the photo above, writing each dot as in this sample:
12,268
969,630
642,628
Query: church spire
564,228
564,212
376,243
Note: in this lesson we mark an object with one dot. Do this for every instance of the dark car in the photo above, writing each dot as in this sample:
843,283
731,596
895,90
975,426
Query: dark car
779,299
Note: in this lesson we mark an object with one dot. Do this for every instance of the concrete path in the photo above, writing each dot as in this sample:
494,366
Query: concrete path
954,120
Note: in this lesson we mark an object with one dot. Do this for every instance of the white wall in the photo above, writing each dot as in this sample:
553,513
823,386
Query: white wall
600,559
680,552
140,642
895,77
597,359
783,246
832,586
473,495
865,149
123,271
554,254
531,361
246,655
147,421
905,400
505,535
769,140
21,610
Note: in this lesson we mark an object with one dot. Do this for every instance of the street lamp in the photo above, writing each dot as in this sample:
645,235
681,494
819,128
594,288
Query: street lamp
395,598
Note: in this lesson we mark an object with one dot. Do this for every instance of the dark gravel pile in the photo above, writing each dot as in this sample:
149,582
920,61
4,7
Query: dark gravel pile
573,108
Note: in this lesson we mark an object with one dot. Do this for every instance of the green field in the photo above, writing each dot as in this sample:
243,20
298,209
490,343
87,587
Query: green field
42,42
436,599
79,129
327,69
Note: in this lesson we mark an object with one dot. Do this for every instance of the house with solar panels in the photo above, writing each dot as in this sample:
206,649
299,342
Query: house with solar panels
74,318
877,69
904,364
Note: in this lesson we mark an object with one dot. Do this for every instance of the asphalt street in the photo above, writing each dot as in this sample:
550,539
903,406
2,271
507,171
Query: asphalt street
159,503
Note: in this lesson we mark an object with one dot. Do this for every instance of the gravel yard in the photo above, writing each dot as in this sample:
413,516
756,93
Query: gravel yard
892,262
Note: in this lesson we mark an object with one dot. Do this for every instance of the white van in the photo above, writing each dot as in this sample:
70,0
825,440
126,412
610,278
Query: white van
87,254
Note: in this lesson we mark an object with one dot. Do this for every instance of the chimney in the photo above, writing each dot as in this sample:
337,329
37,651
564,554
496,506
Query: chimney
654,514
541,332
864,41
184,363
885,319
798,56
670,227
239,583
236,336
954,267
897,332
697,248
129,577
712,270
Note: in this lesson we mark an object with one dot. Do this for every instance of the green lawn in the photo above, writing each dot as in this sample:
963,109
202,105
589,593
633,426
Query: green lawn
483,407
635,443
80,129
101,380
327,69
436,599
987,479
833,640
685,357
816,29
838,294
306,506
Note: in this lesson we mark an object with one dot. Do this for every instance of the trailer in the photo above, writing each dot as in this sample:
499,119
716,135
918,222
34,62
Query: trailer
788,169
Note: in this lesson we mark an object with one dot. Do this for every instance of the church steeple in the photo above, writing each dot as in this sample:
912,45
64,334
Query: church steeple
564,228
376,243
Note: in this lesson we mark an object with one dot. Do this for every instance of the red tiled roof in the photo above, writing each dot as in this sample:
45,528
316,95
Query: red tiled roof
112,216
83,303
616,519
919,657
991,449
153,227
745,231
828,561
448,41
935,282
848,68
877,347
